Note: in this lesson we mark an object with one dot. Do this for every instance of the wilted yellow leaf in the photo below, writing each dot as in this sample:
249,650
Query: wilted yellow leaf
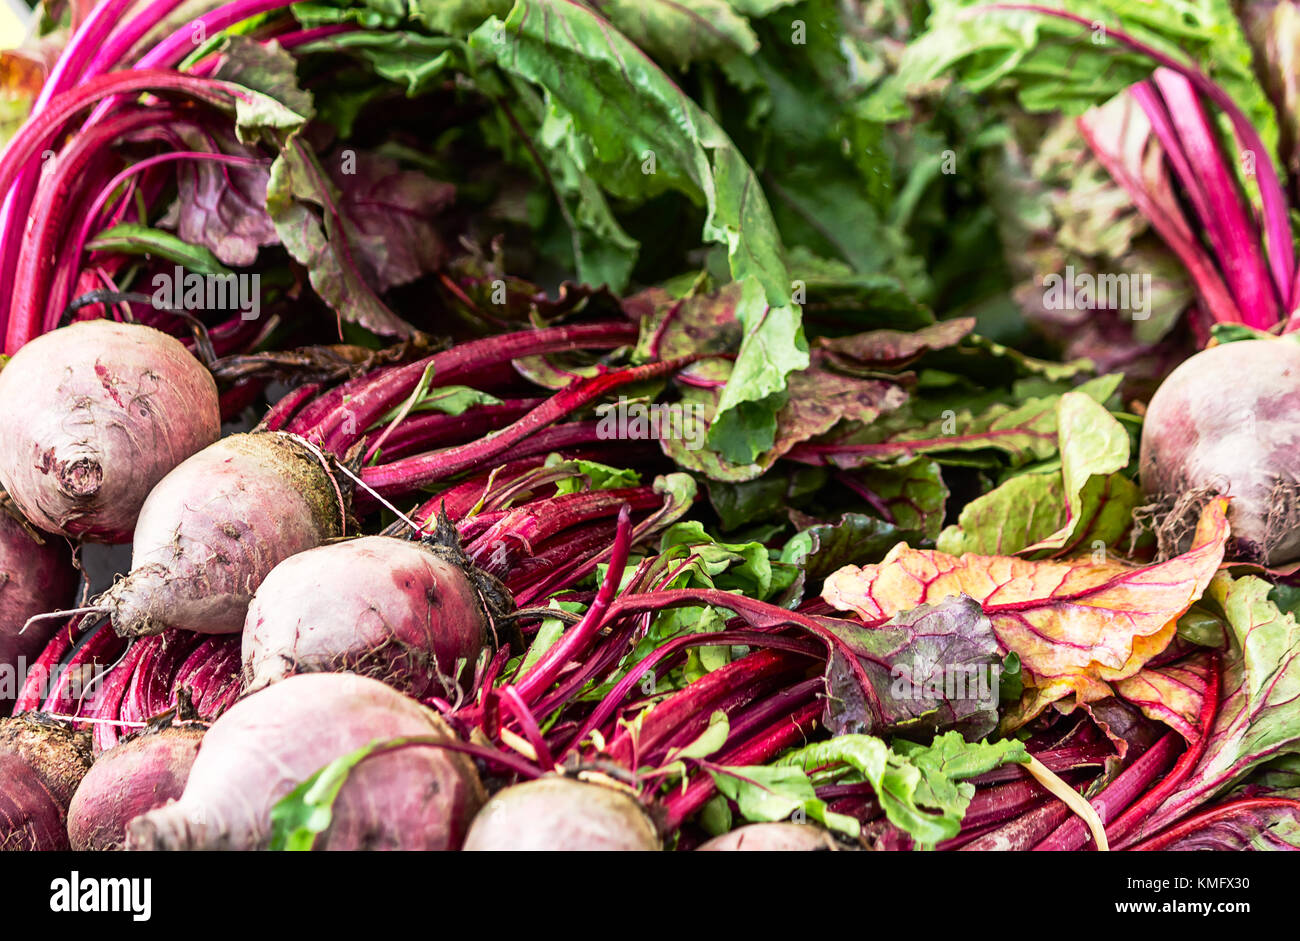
1076,625
1173,694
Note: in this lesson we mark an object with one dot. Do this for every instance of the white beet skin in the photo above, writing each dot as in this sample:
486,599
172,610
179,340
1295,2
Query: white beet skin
215,527
557,813
380,606
1227,421
92,415
36,575
419,797
772,837
130,779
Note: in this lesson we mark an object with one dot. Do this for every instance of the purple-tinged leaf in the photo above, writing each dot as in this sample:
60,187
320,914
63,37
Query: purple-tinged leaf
219,206
933,668
312,227
392,217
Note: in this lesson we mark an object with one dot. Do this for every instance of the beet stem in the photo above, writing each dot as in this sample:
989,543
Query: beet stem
414,472
574,641
1124,829
1197,821
1117,795
761,748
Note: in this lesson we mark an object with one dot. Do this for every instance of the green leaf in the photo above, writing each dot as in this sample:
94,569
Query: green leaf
131,238
715,815
837,186
690,558
448,400
274,105
1057,65
699,321
1026,509
600,252
821,204
548,632
627,127
771,495
745,567
920,787
1008,518
816,401
1031,366
682,31
708,742
871,299
1088,502
912,490
1259,716
1280,774
372,14
760,7
1093,446
857,539
1232,332
679,491
1025,431
266,68
405,58
745,424
592,475
1203,627
767,793
456,16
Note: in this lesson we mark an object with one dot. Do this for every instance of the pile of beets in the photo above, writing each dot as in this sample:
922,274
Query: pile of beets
336,605
261,636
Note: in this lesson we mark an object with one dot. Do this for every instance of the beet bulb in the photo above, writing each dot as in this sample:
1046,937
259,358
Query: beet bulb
1227,421
92,415
557,813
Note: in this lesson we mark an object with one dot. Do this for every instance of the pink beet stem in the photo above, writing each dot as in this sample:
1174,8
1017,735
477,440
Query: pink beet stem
415,472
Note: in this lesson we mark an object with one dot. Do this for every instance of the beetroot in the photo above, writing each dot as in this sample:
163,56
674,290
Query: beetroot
30,816
132,778
1224,422
416,797
92,416
399,611
36,575
41,764
215,526
773,837
556,813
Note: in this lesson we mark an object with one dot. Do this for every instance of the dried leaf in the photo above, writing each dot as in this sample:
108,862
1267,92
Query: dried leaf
893,349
